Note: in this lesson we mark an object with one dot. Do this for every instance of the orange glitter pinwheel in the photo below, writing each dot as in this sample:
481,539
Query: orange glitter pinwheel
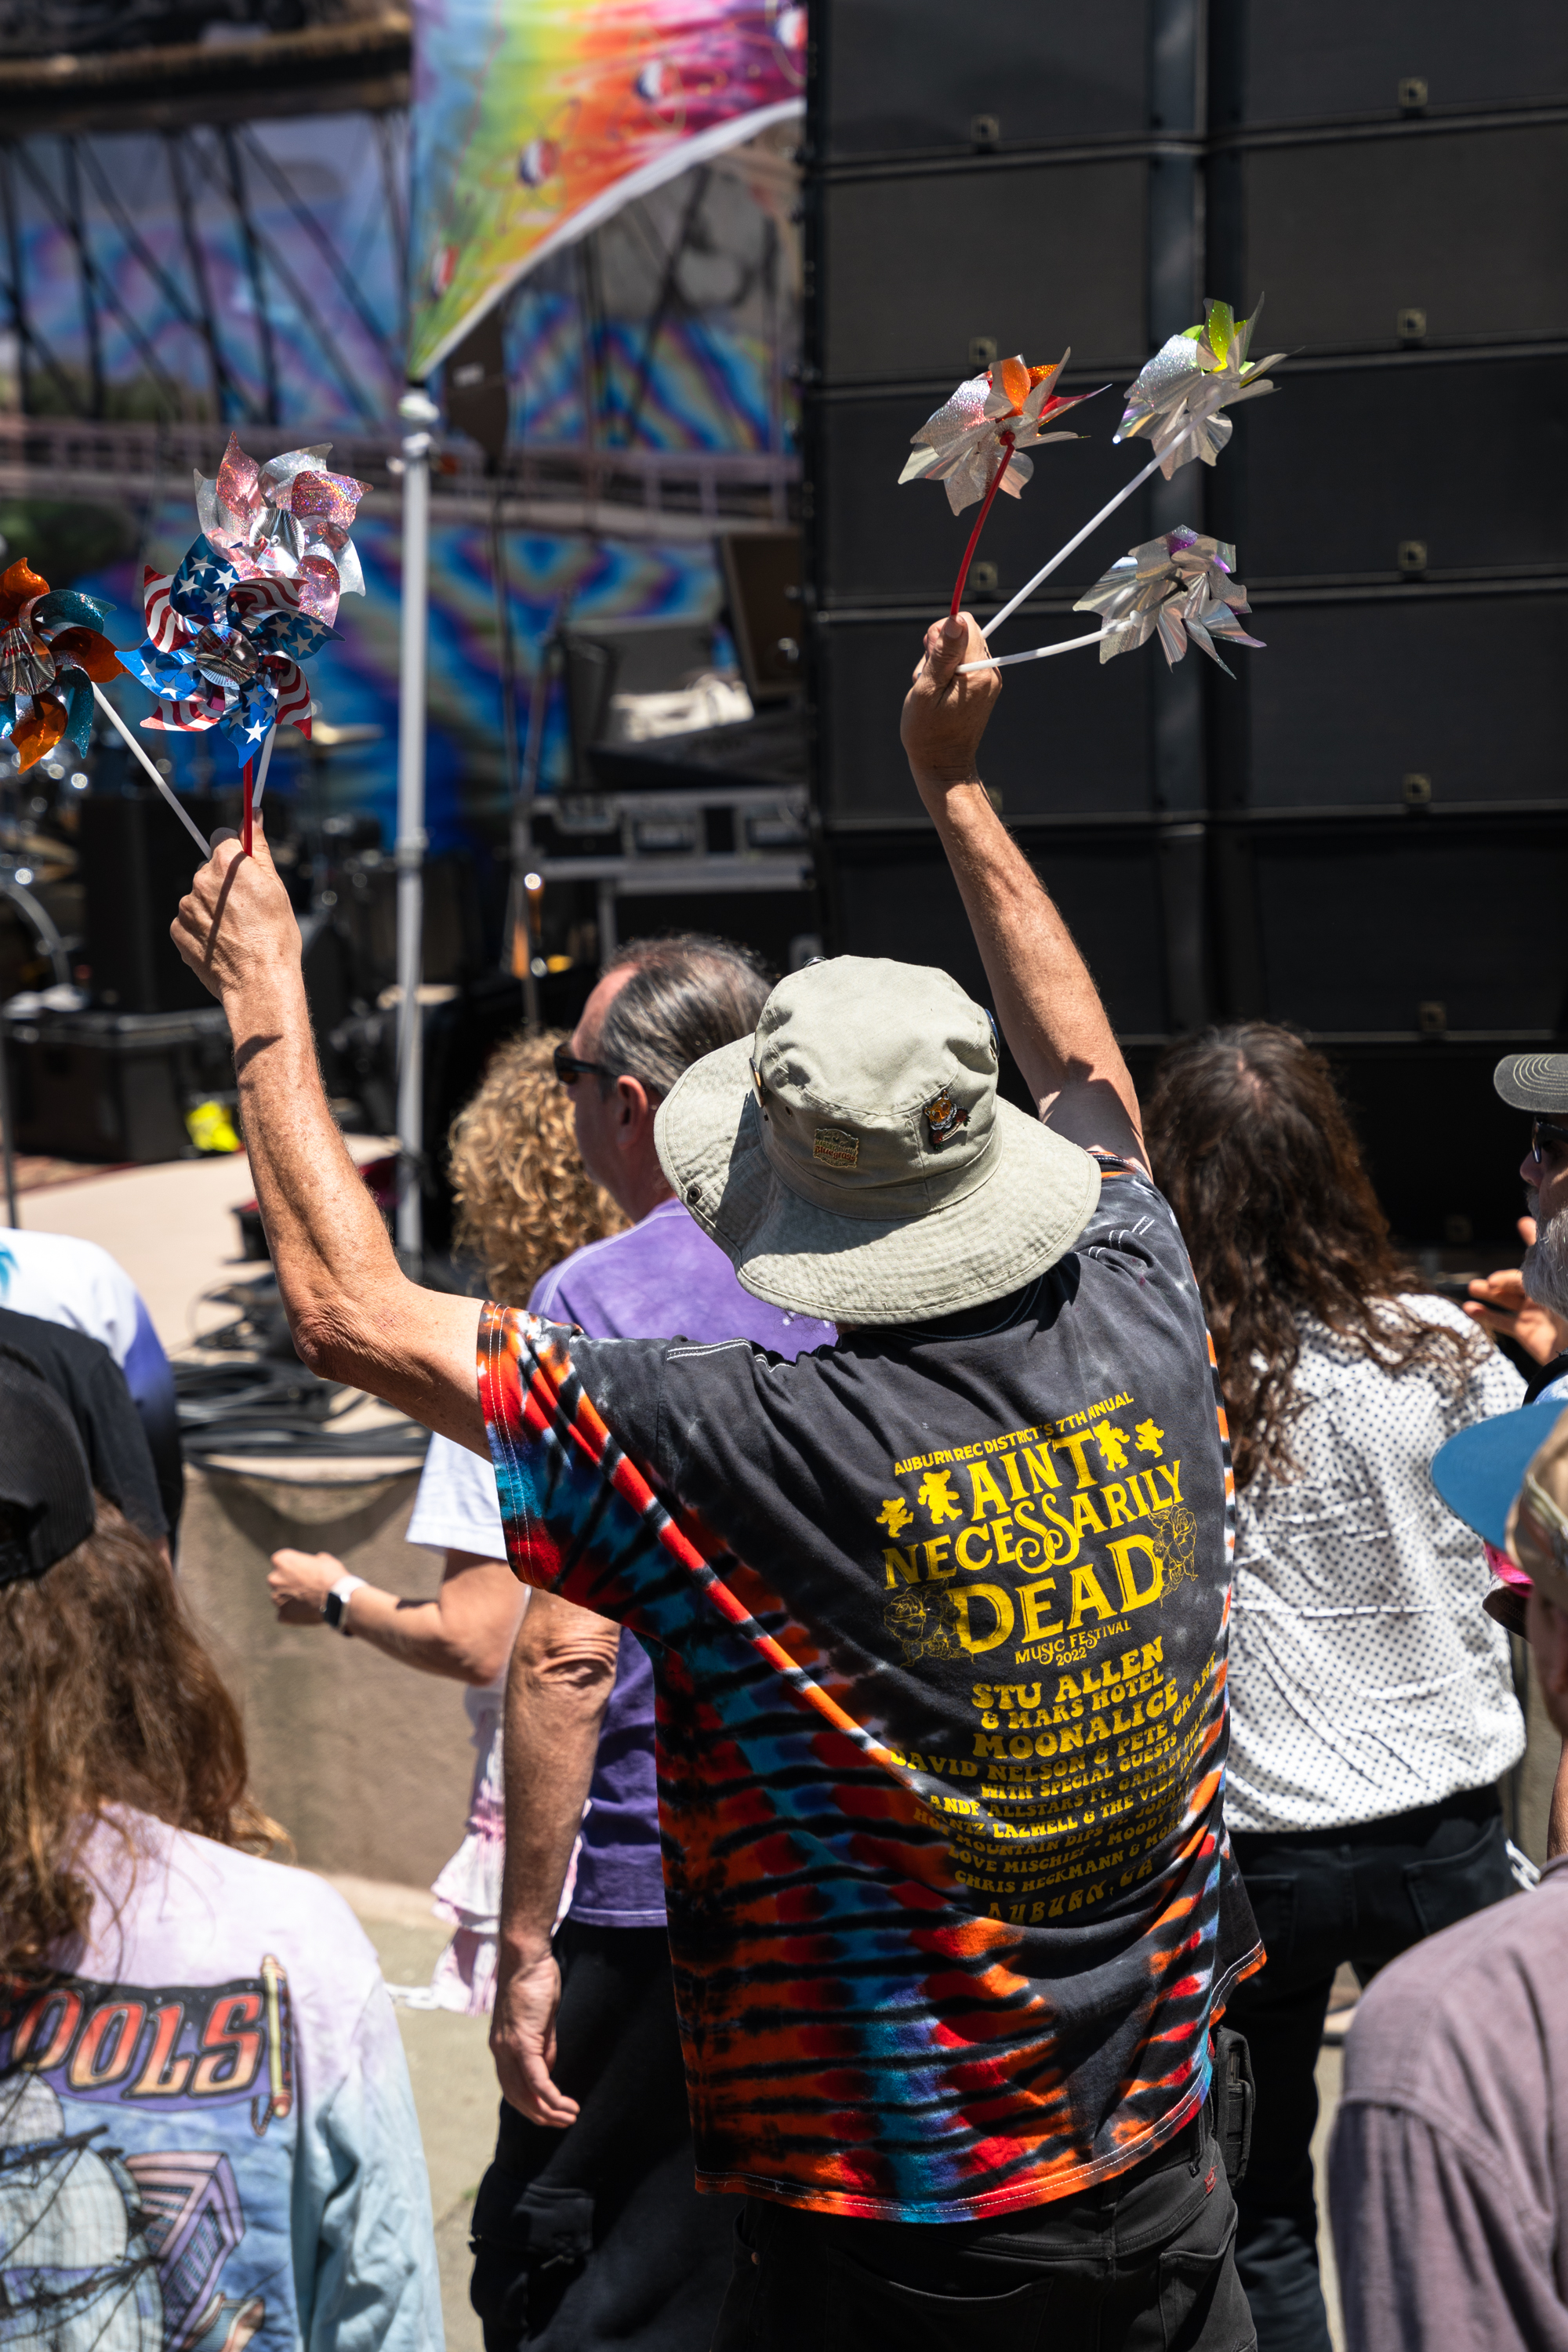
974,444
51,655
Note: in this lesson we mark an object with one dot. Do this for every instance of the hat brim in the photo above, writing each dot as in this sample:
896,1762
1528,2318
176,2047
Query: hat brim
1038,1197
1478,1473
1537,1083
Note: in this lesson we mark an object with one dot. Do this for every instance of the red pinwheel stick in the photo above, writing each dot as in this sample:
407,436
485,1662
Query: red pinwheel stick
1006,441
247,819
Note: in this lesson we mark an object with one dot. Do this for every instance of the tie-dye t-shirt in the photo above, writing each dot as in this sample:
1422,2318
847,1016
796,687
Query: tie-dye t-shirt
938,1622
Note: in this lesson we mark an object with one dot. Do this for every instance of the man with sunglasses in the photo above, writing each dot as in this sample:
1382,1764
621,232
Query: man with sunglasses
587,2228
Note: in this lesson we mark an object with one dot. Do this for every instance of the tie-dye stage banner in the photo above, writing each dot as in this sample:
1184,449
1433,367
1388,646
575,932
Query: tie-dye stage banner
536,120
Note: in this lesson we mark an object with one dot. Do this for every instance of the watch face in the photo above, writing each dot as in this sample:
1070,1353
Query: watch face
333,1610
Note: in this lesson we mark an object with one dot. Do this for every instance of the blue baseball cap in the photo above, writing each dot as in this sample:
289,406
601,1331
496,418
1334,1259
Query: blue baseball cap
1478,1473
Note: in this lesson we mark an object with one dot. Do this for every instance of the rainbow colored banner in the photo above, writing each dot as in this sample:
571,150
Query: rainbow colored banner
535,120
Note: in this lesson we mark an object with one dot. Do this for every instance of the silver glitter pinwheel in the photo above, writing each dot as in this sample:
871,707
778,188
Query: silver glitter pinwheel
288,519
1181,588
999,412
1177,400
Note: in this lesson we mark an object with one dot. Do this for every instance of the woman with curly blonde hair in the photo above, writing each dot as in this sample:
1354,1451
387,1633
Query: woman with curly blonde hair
524,1203
524,1200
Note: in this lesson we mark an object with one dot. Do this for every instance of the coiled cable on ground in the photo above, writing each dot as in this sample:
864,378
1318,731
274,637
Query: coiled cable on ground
263,1400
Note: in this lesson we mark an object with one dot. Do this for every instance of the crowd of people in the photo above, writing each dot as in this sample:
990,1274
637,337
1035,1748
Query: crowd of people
965,1640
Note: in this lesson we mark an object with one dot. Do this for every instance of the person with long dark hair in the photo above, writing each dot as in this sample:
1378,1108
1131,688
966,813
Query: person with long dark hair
1371,1701
207,2135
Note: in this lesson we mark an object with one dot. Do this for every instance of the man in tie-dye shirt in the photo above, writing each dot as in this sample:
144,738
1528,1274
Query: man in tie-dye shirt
937,1615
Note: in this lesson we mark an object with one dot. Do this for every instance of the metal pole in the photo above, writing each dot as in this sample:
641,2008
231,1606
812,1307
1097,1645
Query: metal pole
6,1149
418,412
523,909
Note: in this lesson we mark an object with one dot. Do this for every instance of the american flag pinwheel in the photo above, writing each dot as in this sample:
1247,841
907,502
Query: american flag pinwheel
1180,588
225,651
255,596
51,654
1176,400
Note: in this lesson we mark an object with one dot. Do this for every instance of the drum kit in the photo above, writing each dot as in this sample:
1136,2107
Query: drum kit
33,861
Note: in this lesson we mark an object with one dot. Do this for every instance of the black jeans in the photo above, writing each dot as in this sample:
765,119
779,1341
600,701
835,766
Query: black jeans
1364,1894
595,2236
1143,2263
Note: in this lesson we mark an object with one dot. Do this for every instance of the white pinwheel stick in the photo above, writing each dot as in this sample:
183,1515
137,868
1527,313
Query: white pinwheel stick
162,783
1123,494
1040,652
266,763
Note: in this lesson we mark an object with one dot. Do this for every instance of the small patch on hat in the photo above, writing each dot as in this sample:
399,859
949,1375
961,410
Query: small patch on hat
944,1116
835,1147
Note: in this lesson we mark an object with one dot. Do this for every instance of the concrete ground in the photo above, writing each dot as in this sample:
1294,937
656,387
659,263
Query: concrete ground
454,2084
172,1227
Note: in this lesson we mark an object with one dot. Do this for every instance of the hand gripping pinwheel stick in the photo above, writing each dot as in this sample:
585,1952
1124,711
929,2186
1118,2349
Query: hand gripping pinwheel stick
1177,399
131,745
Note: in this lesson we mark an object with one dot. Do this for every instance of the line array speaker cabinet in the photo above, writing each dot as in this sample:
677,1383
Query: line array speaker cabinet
136,867
1364,832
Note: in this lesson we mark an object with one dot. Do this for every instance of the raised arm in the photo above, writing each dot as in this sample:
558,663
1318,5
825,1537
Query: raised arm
1046,1003
354,1315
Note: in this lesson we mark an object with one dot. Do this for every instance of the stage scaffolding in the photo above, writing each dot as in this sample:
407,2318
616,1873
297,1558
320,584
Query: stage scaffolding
204,227
666,494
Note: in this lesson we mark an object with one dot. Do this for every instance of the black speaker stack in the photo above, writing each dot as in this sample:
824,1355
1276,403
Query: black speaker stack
1362,834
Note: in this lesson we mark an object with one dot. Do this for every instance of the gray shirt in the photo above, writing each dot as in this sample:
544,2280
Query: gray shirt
1448,2167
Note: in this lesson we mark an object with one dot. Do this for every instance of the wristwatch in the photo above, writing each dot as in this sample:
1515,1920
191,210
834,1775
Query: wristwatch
335,1606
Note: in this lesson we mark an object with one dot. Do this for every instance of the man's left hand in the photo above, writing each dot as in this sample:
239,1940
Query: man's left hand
235,927
522,2036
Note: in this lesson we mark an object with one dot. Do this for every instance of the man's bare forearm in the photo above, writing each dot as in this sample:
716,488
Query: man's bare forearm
354,1314
563,1671
1045,999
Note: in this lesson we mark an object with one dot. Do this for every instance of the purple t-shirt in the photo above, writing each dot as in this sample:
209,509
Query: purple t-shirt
663,1280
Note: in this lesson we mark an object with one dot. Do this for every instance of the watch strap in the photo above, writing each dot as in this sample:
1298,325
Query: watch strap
336,1607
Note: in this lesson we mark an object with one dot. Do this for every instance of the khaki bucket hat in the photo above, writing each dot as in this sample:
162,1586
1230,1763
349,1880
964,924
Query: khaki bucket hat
854,1161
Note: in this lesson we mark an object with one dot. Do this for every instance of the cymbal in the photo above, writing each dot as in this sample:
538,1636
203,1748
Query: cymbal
50,858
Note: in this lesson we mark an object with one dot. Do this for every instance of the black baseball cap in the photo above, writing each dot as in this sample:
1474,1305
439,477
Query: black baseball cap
1537,1083
46,1504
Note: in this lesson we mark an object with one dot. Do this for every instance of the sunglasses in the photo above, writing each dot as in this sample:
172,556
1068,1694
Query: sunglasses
569,1069
1544,1138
